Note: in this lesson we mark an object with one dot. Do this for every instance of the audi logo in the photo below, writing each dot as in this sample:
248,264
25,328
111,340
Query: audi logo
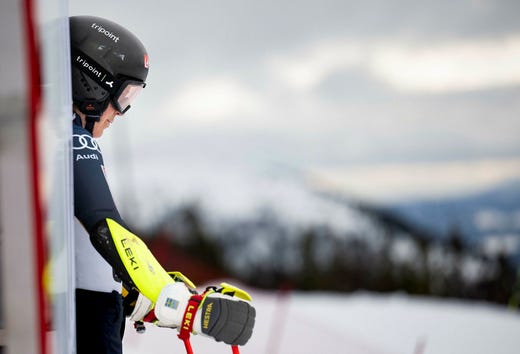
80,142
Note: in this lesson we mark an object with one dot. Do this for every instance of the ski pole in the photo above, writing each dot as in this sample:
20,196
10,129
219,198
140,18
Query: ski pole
189,349
187,345
194,303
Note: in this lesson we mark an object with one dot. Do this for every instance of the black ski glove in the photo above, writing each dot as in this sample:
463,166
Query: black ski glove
224,313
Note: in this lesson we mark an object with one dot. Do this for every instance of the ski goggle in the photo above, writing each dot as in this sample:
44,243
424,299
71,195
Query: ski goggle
126,94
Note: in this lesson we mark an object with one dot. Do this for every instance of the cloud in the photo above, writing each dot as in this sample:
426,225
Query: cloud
211,99
389,182
436,67
454,66
307,67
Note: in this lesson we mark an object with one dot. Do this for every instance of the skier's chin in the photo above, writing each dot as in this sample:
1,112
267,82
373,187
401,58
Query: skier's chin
97,135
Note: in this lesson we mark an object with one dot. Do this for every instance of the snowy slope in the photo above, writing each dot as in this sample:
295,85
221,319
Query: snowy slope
361,323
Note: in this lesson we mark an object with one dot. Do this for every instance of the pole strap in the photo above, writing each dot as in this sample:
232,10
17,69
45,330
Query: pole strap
187,321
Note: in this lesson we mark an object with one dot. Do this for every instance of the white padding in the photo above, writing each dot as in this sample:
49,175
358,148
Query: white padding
171,304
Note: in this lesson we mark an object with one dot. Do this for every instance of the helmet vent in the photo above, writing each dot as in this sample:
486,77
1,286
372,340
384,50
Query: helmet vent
86,86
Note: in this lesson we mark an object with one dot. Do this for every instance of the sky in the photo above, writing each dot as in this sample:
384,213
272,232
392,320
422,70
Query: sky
382,100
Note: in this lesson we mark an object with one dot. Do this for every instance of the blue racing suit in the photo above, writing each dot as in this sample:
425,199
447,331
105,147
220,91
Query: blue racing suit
99,309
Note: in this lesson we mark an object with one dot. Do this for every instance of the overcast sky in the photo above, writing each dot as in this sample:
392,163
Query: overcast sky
386,100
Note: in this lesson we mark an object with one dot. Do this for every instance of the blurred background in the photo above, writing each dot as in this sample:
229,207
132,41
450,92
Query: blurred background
326,145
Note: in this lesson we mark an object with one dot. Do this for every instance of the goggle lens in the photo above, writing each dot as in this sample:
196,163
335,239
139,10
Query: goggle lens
127,96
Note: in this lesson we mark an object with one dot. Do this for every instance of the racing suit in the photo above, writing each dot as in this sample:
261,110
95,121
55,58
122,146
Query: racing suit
99,309
99,305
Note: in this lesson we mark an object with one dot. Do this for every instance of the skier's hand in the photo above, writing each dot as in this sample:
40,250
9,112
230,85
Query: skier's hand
138,308
225,313
226,316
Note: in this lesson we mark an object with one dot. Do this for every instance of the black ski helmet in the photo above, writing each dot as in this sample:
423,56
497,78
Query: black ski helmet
109,64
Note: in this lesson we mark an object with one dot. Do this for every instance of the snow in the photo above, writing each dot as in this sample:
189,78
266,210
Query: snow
235,191
360,323
492,220
507,244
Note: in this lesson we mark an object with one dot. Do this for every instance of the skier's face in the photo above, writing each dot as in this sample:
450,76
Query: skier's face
106,119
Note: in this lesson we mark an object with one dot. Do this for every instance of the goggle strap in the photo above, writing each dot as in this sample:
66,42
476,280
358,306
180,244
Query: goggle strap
93,70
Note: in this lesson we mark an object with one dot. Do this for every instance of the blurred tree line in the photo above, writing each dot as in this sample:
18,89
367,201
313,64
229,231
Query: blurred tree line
264,252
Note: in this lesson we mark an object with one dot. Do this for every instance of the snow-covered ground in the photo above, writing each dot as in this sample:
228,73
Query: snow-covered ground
361,323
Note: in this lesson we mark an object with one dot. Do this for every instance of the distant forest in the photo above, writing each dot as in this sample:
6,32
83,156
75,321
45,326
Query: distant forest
264,252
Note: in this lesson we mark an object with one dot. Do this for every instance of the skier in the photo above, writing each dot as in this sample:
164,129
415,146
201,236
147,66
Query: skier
109,69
